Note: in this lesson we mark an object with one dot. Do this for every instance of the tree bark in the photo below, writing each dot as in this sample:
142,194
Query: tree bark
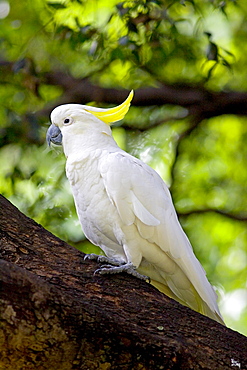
56,314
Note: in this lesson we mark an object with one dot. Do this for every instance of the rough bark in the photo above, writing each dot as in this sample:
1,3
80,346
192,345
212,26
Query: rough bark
56,314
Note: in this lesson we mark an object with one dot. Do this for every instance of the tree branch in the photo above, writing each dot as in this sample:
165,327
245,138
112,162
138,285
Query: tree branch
201,103
55,313
193,124
237,217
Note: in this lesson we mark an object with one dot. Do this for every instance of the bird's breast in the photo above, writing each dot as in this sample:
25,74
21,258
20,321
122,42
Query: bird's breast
98,216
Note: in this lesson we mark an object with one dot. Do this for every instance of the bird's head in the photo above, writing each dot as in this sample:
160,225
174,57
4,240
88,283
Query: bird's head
76,115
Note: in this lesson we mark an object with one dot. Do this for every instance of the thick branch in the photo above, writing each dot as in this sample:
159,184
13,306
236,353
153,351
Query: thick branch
200,102
56,314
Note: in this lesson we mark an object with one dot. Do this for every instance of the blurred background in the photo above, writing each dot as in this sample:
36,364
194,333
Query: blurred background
187,62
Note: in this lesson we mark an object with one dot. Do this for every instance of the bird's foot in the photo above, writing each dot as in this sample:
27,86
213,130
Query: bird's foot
103,259
129,268
114,266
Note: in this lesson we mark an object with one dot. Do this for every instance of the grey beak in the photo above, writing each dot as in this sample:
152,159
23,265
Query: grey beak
54,135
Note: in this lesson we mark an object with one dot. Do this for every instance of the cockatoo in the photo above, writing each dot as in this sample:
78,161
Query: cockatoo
125,208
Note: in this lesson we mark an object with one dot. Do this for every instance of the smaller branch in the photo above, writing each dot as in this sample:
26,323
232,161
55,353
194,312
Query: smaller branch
232,216
193,124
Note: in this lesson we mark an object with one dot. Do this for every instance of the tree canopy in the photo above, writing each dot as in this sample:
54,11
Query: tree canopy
186,62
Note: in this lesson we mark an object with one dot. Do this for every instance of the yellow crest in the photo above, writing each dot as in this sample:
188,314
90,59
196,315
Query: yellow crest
111,115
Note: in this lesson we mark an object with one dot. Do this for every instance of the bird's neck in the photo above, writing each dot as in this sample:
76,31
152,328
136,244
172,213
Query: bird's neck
84,144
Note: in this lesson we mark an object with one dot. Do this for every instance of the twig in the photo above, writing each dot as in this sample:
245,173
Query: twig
237,217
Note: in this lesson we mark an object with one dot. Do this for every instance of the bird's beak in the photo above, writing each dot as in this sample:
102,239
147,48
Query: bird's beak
54,135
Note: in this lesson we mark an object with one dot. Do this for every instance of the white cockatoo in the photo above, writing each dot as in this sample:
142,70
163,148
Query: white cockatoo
126,209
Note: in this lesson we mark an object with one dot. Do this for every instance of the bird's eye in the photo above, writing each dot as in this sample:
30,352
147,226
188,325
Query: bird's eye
67,121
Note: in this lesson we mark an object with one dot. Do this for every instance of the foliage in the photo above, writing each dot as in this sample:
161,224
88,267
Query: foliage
134,44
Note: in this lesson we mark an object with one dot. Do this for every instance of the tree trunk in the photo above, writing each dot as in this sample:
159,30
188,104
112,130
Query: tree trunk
56,314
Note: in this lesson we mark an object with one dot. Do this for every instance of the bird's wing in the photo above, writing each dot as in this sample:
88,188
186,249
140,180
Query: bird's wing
142,198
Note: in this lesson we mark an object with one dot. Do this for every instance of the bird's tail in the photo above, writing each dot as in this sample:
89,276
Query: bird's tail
201,308
188,297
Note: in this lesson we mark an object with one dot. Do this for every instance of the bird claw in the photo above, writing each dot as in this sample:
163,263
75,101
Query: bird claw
102,259
127,267
91,256
115,267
